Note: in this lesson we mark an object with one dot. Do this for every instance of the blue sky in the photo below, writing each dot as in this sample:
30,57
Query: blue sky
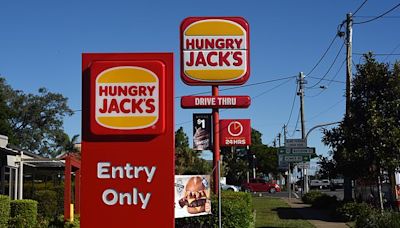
41,44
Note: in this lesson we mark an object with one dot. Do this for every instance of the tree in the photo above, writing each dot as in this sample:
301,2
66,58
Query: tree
327,169
188,161
33,122
369,138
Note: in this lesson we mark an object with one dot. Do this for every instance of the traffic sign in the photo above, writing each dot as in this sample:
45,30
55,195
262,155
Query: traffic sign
295,143
303,165
296,158
307,150
284,150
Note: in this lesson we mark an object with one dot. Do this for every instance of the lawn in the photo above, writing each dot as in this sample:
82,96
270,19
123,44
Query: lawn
269,214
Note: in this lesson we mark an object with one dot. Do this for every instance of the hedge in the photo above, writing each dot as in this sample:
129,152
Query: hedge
23,213
236,211
351,211
4,210
47,203
311,196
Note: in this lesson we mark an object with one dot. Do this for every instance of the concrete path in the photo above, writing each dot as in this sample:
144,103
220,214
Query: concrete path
319,218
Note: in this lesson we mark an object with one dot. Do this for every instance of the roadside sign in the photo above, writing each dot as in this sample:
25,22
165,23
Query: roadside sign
295,143
127,140
303,165
296,158
215,51
307,150
284,150
235,132
215,101
202,131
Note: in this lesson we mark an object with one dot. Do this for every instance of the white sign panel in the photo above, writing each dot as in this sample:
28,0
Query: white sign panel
302,150
293,158
192,195
295,143
303,165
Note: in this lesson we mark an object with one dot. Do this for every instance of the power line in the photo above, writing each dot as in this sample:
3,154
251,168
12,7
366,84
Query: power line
384,54
326,110
329,69
253,97
394,49
297,123
242,86
291,109
323,55
360,7
330,81
375,18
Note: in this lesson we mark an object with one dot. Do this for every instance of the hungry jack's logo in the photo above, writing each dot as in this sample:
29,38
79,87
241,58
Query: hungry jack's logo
215,50
127,98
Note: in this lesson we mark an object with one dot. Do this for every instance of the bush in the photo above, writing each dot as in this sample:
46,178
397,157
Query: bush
236,211
47,203
23,213
352,211
325,202
310,197
379,220
4,210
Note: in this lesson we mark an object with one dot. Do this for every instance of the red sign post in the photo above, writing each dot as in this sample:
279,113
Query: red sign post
128,140
215,51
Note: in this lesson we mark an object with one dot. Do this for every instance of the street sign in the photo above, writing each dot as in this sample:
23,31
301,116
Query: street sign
235,132
303,165
307,150
127,140
215,51
295,143
284,150
296,158
215,101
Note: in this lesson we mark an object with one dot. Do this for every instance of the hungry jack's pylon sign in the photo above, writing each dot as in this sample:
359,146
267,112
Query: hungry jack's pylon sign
215,51
128,140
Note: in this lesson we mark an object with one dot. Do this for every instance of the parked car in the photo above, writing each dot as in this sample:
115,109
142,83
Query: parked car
260,185
320,184
229,187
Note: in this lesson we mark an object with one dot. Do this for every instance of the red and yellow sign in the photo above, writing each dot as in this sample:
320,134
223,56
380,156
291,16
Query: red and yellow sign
215,51
235,132
127,140
127,97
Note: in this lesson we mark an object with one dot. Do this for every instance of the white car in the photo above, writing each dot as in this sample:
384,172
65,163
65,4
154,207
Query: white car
229,187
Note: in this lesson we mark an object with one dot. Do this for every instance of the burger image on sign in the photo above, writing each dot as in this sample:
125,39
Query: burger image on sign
196,196
215,51
127,99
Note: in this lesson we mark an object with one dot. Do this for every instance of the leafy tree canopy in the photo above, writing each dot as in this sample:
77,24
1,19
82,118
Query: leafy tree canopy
33,122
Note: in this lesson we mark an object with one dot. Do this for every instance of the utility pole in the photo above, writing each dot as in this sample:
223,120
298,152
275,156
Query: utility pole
349,39
300,93
279,139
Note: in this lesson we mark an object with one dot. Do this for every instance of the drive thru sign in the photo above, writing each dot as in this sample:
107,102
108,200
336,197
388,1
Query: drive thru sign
128,140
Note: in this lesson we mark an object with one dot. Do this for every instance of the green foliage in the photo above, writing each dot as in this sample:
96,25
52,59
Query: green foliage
23,213
188,161
352,211
369,138
376,219
327,168
325,202
236,211
47,203
311,196
33,121
4,210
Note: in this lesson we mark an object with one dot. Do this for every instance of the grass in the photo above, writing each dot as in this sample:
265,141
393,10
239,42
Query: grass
267,214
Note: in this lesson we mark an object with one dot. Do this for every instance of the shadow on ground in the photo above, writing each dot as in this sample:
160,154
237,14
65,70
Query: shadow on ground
306,213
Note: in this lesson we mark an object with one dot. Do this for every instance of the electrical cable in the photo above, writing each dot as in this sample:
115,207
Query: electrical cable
360,7
297,123
394,49
326,110
330,81
323,55
294,100
377,54
377,17
327,72
242,86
